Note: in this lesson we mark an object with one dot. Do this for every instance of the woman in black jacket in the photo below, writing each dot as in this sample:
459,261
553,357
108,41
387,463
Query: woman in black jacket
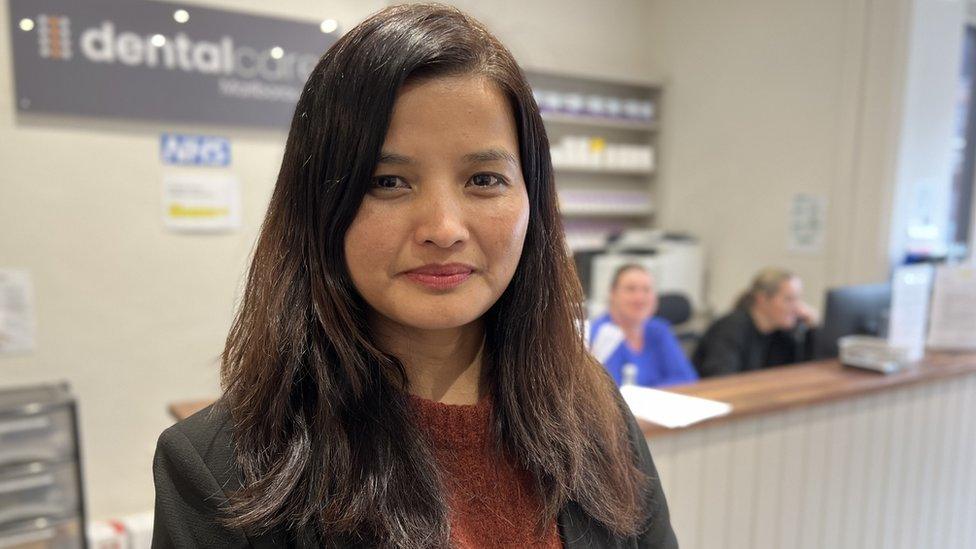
769,326
405,368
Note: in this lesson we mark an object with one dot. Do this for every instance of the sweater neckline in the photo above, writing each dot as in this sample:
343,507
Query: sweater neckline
456,426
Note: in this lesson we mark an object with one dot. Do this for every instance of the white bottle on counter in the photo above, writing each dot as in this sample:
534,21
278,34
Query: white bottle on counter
628,375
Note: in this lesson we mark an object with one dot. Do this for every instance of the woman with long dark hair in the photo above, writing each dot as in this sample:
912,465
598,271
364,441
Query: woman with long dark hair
406,368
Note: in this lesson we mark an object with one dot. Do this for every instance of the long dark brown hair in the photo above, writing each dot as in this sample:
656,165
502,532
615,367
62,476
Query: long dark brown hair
322,428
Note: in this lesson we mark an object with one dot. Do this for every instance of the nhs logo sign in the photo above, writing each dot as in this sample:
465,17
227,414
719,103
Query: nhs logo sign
194,150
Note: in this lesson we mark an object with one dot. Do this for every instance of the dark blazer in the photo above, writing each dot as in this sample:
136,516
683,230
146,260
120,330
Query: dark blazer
194,469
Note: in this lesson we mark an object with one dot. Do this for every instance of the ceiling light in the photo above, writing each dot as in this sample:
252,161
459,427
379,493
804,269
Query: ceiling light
329,25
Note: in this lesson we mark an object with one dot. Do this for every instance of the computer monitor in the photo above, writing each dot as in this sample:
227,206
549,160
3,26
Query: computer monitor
853,310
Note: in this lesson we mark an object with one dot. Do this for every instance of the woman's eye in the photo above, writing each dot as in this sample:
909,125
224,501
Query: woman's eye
486,180
388,182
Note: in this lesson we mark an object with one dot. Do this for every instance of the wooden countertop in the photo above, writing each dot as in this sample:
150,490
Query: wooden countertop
773,389
785,387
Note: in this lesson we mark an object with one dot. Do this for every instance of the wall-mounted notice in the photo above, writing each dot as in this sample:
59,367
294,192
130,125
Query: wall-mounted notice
910,291
201,203
149,60
953,322
17,324
194,150
808,219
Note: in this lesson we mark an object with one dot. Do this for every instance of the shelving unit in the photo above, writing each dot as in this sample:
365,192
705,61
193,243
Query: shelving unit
598,122
597,199
596,203
41,496
605,211
565,168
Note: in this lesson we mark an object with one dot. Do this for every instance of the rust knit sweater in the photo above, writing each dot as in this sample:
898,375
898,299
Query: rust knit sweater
491,502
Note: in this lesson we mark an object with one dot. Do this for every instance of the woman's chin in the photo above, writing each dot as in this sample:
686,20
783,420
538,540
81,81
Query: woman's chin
437,323
437,318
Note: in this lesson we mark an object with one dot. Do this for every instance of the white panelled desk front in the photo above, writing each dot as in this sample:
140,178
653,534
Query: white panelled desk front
817,455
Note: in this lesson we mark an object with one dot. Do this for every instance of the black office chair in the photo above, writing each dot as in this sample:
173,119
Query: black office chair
676,309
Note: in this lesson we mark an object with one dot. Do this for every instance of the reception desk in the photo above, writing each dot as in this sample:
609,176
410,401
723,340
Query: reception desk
817,455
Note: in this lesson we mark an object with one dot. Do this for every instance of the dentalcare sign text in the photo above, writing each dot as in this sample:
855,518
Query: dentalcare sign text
152,60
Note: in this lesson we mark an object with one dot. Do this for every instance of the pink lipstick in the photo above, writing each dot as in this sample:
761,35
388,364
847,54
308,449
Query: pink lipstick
440,277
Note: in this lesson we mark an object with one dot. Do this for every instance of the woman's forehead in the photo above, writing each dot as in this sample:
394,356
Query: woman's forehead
458,114
636,276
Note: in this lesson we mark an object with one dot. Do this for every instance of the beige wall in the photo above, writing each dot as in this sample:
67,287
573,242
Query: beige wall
582,37
766,99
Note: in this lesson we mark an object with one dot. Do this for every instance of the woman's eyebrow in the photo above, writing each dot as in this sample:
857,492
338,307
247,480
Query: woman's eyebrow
491,155
487,155
394,158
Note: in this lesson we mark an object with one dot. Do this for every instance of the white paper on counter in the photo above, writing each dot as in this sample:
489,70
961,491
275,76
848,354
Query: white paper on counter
671,410
953,321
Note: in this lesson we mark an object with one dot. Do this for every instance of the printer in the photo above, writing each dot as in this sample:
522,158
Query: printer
677,263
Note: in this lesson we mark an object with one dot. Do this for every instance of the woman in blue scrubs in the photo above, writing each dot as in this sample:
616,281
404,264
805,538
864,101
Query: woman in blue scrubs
636,347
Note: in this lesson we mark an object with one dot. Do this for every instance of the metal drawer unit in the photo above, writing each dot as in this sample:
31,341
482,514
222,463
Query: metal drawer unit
41,496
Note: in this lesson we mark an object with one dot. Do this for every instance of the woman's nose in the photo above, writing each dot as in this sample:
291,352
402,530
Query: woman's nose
441,221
